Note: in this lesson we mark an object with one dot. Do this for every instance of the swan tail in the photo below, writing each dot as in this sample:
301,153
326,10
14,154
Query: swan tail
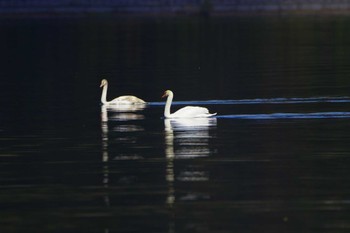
207,115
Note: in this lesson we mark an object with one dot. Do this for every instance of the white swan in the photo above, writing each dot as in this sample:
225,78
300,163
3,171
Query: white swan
185,112
125,99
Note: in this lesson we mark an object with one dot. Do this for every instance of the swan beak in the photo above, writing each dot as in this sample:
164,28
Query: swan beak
165,94
103,83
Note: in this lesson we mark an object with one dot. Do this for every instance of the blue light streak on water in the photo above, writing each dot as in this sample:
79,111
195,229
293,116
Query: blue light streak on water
343,99
291,115
315,115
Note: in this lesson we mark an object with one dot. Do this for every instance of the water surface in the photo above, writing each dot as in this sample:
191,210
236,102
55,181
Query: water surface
275,159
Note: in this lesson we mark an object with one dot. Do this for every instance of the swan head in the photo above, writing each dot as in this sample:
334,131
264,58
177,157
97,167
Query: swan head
103,82
167,93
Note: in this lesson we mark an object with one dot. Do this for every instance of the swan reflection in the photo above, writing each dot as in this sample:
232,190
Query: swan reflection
105,157
123,113
186,139
189,124
126,117
117,123
128,128
191,136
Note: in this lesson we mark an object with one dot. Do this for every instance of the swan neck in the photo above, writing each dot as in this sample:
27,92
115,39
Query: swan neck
104,94
167,105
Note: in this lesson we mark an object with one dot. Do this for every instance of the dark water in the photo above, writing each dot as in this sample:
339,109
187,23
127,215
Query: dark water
275,159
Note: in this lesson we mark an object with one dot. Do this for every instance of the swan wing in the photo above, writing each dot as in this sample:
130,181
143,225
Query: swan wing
127,99
192,111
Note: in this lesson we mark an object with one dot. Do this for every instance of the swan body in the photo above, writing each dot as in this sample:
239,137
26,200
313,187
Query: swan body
185,112
123,100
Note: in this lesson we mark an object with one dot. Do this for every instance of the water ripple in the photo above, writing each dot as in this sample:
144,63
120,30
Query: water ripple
315,115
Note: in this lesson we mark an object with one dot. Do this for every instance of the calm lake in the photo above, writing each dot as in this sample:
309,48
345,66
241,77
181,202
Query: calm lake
275,158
